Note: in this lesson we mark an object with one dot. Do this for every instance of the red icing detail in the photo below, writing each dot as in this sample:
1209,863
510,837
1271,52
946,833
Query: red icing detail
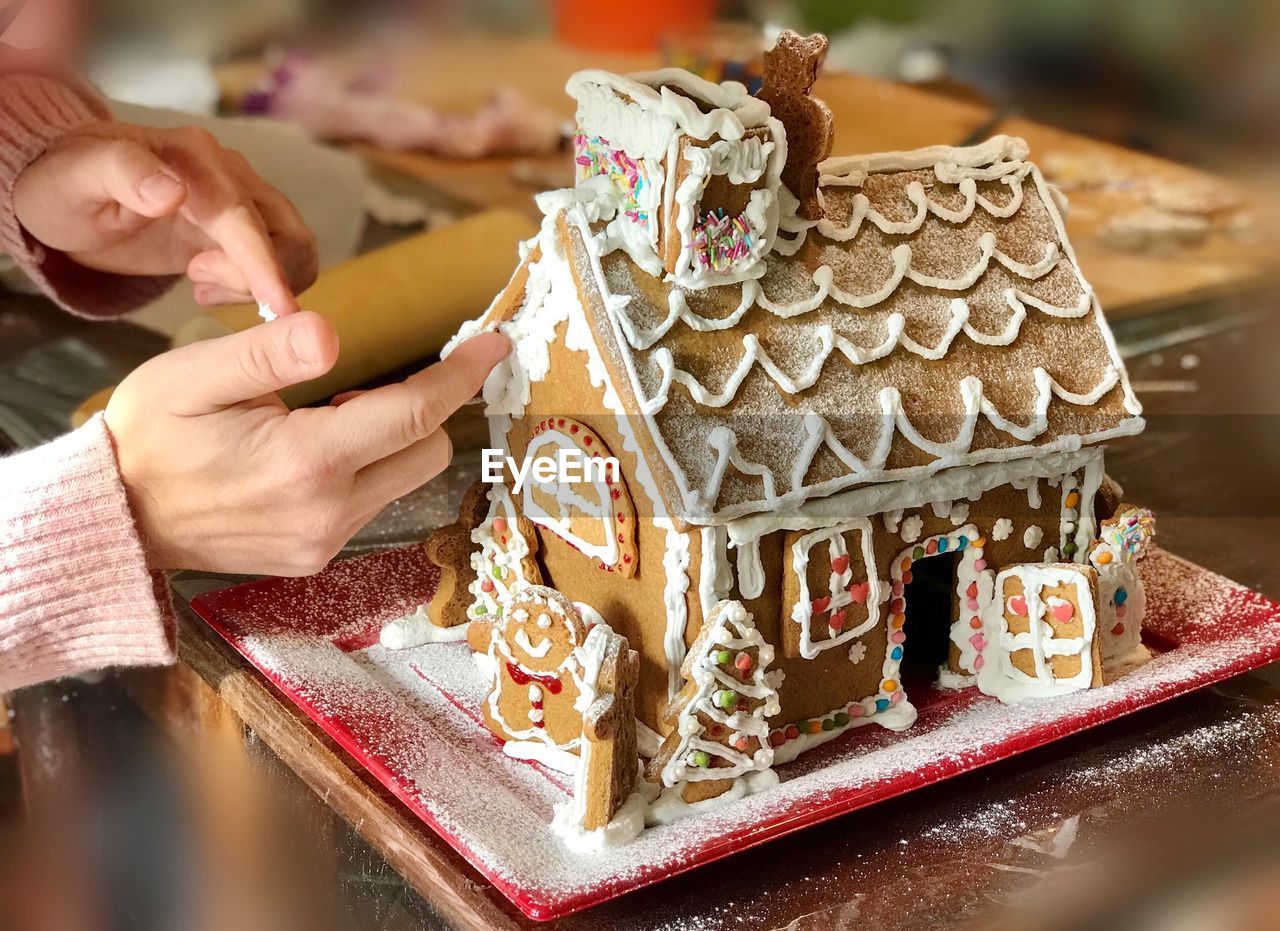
931,547
486,586
523,677
622,518
627,558
586,441
1117,630
499,525
840,564
617,493
972,590
975,622
573,428
742,742
907,577
743,662
560,421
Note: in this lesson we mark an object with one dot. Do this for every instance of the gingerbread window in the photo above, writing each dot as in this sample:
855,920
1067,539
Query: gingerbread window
831,593
587,503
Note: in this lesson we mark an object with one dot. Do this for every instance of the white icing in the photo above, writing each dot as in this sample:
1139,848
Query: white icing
571,507
750,570
1032,536
675,562
959,513
541,649
911,528
535,751
669,806
999,677
624,827
838,595
713,574
897,717
416,629
1002,529
647,740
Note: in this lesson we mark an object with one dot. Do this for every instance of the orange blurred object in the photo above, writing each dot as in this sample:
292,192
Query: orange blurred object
634,28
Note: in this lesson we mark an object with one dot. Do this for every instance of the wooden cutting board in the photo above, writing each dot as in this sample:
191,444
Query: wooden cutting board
1102,181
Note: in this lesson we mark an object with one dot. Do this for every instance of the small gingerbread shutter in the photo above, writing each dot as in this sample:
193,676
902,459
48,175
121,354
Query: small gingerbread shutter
831,592
1041,632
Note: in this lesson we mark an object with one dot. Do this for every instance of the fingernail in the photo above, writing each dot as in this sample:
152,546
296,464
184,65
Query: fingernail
160,188
303,343
498,344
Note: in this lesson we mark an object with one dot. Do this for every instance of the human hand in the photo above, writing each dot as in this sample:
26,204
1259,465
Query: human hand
138,201
223,477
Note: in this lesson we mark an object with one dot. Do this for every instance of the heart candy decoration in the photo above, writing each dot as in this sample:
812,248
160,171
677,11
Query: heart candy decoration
840,564
1061,610
1017,606
859,591
820,605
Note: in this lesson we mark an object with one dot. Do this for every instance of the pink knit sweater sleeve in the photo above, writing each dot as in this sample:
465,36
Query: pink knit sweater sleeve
75,593
36,109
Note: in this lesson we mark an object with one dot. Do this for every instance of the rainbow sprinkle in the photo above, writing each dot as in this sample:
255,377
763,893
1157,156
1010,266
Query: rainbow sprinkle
718,241
594,156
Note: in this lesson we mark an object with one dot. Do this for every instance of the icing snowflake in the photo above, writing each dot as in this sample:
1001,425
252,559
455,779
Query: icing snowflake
857,652
959,513
1002,529
1031,539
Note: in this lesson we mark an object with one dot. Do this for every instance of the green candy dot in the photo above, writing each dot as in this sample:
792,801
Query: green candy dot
828,724
722,657
1069,548
701,759
841,719
918,553
726,699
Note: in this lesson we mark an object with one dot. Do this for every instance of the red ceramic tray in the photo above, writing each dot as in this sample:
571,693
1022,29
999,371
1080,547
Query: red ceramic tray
411,719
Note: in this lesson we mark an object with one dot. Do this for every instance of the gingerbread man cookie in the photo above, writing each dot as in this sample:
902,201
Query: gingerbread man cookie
537,667
790,68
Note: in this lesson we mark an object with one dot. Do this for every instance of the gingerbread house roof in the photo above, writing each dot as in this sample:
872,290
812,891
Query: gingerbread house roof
934,318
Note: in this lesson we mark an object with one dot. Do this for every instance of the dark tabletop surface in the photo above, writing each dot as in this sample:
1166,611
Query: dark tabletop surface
1168,811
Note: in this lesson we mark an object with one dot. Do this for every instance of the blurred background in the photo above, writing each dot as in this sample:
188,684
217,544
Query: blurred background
414,135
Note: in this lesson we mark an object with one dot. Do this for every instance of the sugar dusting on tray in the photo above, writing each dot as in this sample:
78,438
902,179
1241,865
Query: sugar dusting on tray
414,715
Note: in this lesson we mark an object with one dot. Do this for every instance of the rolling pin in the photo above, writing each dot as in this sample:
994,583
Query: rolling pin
390,306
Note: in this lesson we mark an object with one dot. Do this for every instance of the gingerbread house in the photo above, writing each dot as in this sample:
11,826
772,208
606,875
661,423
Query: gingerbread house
878,428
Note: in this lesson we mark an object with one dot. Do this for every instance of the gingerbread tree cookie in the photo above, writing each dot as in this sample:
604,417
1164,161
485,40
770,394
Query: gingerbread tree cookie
720,717
603,811
502,559
790,68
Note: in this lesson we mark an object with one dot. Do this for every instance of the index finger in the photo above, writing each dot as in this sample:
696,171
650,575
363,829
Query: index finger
381,422
224,212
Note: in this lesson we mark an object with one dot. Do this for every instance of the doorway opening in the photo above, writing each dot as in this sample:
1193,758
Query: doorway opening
930,606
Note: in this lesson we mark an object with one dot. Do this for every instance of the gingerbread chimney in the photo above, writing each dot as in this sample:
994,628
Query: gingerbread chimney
693,170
